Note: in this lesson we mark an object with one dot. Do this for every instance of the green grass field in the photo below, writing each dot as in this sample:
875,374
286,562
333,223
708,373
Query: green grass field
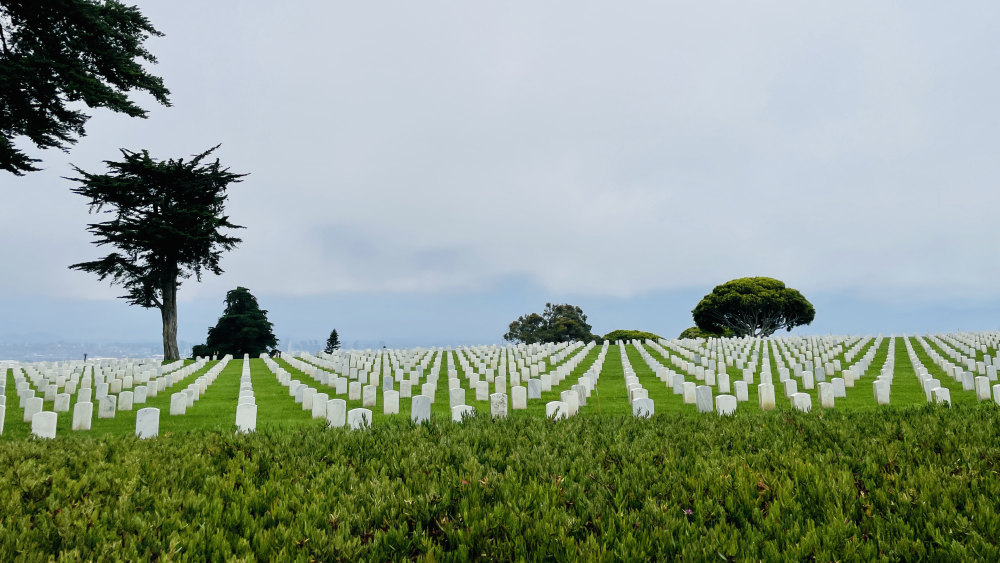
216,409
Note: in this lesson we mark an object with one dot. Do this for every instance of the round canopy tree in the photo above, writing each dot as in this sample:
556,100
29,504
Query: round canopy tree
242,329
753,307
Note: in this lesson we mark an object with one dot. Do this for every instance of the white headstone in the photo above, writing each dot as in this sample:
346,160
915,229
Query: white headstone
246,418
825,394
519,397
456,397
125,401
534,389
459,412
359,419
390,402
802,401
498,405
689,392
420,408
61,403
106,406
725,405
319,401
643,408
941,395
178,403
703,398
83,413
741,390
84,396
43,424
880,388
765,396
147,423
556,409
336,413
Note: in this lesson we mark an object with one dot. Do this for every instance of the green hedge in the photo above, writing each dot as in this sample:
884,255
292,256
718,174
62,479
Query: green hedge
891,485
629,335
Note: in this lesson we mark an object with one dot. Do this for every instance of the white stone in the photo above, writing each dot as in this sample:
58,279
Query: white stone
826,398
83,413
308,395
741,390
248,400
428,390
941,395
498,405
839,387
390,402
354,391
420,408
178,403
678,384
482,391
147,423
405,390
802,401
139,395
519,397
983,388
84,395
336,413
643,408
107,406
791,388
725,405
456,397
61,402
571,398
246,418
359,419
723,380
689,392
534,389
459,412
880,388
125,401
43,424
319,401
765,396
703,398
556,409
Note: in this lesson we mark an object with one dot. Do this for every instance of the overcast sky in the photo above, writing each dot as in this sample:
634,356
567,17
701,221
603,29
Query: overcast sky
424,172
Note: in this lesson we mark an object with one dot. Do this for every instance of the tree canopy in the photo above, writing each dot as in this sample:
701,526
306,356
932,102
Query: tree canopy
167,223
557,323
333,342
630,335
56,53
752,307
243,328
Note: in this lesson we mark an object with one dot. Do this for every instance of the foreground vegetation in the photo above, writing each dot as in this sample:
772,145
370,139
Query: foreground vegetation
883,485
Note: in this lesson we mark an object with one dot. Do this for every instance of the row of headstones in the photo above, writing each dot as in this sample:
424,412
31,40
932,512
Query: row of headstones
83,410
180,402
970,382
987,367
246,407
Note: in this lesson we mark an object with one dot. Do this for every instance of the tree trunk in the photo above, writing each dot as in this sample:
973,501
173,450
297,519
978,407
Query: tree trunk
169,314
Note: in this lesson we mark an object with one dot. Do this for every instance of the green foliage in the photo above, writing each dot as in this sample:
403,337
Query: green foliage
558,323
333,342
243,328
58,53
629,335
752,307
166,227
905,485
695,332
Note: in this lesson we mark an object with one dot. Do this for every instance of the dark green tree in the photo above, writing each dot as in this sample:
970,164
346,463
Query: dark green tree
60,53
558,323
243,328
333,343
752,307
695,332
166,227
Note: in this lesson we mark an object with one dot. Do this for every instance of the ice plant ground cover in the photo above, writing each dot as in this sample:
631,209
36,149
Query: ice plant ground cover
886,484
